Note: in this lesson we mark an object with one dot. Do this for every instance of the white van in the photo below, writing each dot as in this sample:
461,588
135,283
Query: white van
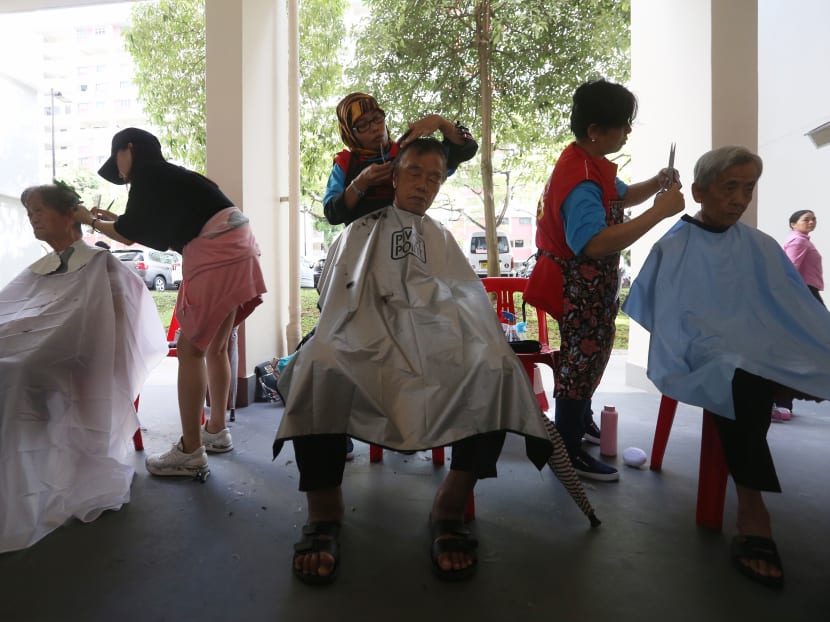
477,249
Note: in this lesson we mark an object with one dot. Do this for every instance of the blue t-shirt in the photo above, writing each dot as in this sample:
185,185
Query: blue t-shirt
583,214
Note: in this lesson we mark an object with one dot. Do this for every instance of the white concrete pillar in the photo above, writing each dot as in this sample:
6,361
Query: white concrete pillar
247,150
694,69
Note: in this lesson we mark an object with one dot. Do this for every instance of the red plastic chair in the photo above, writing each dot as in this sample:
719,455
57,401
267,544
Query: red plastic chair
172,338
505,289
711,484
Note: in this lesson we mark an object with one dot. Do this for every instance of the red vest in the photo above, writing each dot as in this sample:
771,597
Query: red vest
574,166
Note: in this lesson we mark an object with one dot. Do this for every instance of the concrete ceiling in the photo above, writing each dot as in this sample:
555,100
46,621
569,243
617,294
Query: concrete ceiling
14,6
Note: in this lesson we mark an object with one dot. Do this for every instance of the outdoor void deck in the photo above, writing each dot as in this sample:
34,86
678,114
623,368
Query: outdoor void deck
185,551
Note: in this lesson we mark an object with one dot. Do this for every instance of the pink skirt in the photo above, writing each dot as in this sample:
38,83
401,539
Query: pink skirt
221,274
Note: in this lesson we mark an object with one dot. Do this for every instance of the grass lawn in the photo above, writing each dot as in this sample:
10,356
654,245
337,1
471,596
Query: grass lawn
310,314
166,301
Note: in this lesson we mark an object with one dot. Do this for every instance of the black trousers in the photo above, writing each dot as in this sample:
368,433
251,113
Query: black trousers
321,458
572,418
815,293
744,439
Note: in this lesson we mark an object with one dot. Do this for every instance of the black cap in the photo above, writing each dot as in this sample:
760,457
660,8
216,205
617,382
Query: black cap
109,170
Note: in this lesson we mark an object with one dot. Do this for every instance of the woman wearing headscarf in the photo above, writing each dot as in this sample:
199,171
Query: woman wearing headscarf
361,178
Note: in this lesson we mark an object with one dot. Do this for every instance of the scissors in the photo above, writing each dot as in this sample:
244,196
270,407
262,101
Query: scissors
672,174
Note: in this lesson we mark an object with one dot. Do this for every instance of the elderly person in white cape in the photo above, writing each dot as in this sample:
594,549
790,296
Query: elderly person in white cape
408,354
732,324
78,335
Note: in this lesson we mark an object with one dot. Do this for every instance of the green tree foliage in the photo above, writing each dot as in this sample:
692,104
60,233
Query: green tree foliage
93,193
167,43
424,56
420,57
322,38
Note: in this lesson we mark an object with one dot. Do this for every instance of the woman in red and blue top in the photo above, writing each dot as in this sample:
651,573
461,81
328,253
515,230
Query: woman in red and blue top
580,228
361,178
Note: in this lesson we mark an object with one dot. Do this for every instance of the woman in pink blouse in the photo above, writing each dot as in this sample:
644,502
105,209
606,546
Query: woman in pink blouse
803,253
807,261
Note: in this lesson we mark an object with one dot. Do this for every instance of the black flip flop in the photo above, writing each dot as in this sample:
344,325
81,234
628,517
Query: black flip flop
318,537
747,548
451,536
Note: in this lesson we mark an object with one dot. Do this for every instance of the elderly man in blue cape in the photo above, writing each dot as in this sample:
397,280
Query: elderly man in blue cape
732,323
409,355
79,334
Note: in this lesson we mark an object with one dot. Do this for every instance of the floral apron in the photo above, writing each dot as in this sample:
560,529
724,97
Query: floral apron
587,327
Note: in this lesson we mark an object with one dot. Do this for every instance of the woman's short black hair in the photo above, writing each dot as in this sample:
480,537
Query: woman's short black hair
601,103
796,216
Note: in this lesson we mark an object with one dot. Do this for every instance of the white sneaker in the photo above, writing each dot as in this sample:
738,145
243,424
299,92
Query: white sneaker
217,443
175,462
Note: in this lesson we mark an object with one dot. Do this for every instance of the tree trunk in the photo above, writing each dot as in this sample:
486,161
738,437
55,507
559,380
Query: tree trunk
483,14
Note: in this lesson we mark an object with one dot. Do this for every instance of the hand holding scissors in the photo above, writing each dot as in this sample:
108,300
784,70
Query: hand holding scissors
669,175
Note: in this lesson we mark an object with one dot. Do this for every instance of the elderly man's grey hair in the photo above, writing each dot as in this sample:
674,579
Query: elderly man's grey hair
713,163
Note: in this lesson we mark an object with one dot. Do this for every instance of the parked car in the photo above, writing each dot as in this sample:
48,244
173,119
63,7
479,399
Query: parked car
176,263
306,273
154,267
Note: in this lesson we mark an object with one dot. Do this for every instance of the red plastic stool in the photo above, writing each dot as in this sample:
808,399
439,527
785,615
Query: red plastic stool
376,454
711,484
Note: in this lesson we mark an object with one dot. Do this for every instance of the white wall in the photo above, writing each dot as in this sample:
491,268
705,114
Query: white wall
711,100
794,98
671,77
19,117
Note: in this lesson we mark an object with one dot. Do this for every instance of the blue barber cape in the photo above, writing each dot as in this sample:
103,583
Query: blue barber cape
717,301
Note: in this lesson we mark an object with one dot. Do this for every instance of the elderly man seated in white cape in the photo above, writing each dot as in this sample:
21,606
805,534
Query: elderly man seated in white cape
408,354
78,335
733,324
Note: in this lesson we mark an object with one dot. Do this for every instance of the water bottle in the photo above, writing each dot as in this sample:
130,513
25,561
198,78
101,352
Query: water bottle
510,326
608,436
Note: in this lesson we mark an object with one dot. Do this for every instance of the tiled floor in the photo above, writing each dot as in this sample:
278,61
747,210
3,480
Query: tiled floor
184,551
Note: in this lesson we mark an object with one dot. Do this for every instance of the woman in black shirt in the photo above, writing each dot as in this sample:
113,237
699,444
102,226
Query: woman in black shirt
170,207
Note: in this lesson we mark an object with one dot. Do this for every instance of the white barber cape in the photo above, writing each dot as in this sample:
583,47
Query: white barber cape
716,301
75,348
408,353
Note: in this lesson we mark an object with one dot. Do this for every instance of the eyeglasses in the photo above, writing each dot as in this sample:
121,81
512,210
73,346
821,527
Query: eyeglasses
364,124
